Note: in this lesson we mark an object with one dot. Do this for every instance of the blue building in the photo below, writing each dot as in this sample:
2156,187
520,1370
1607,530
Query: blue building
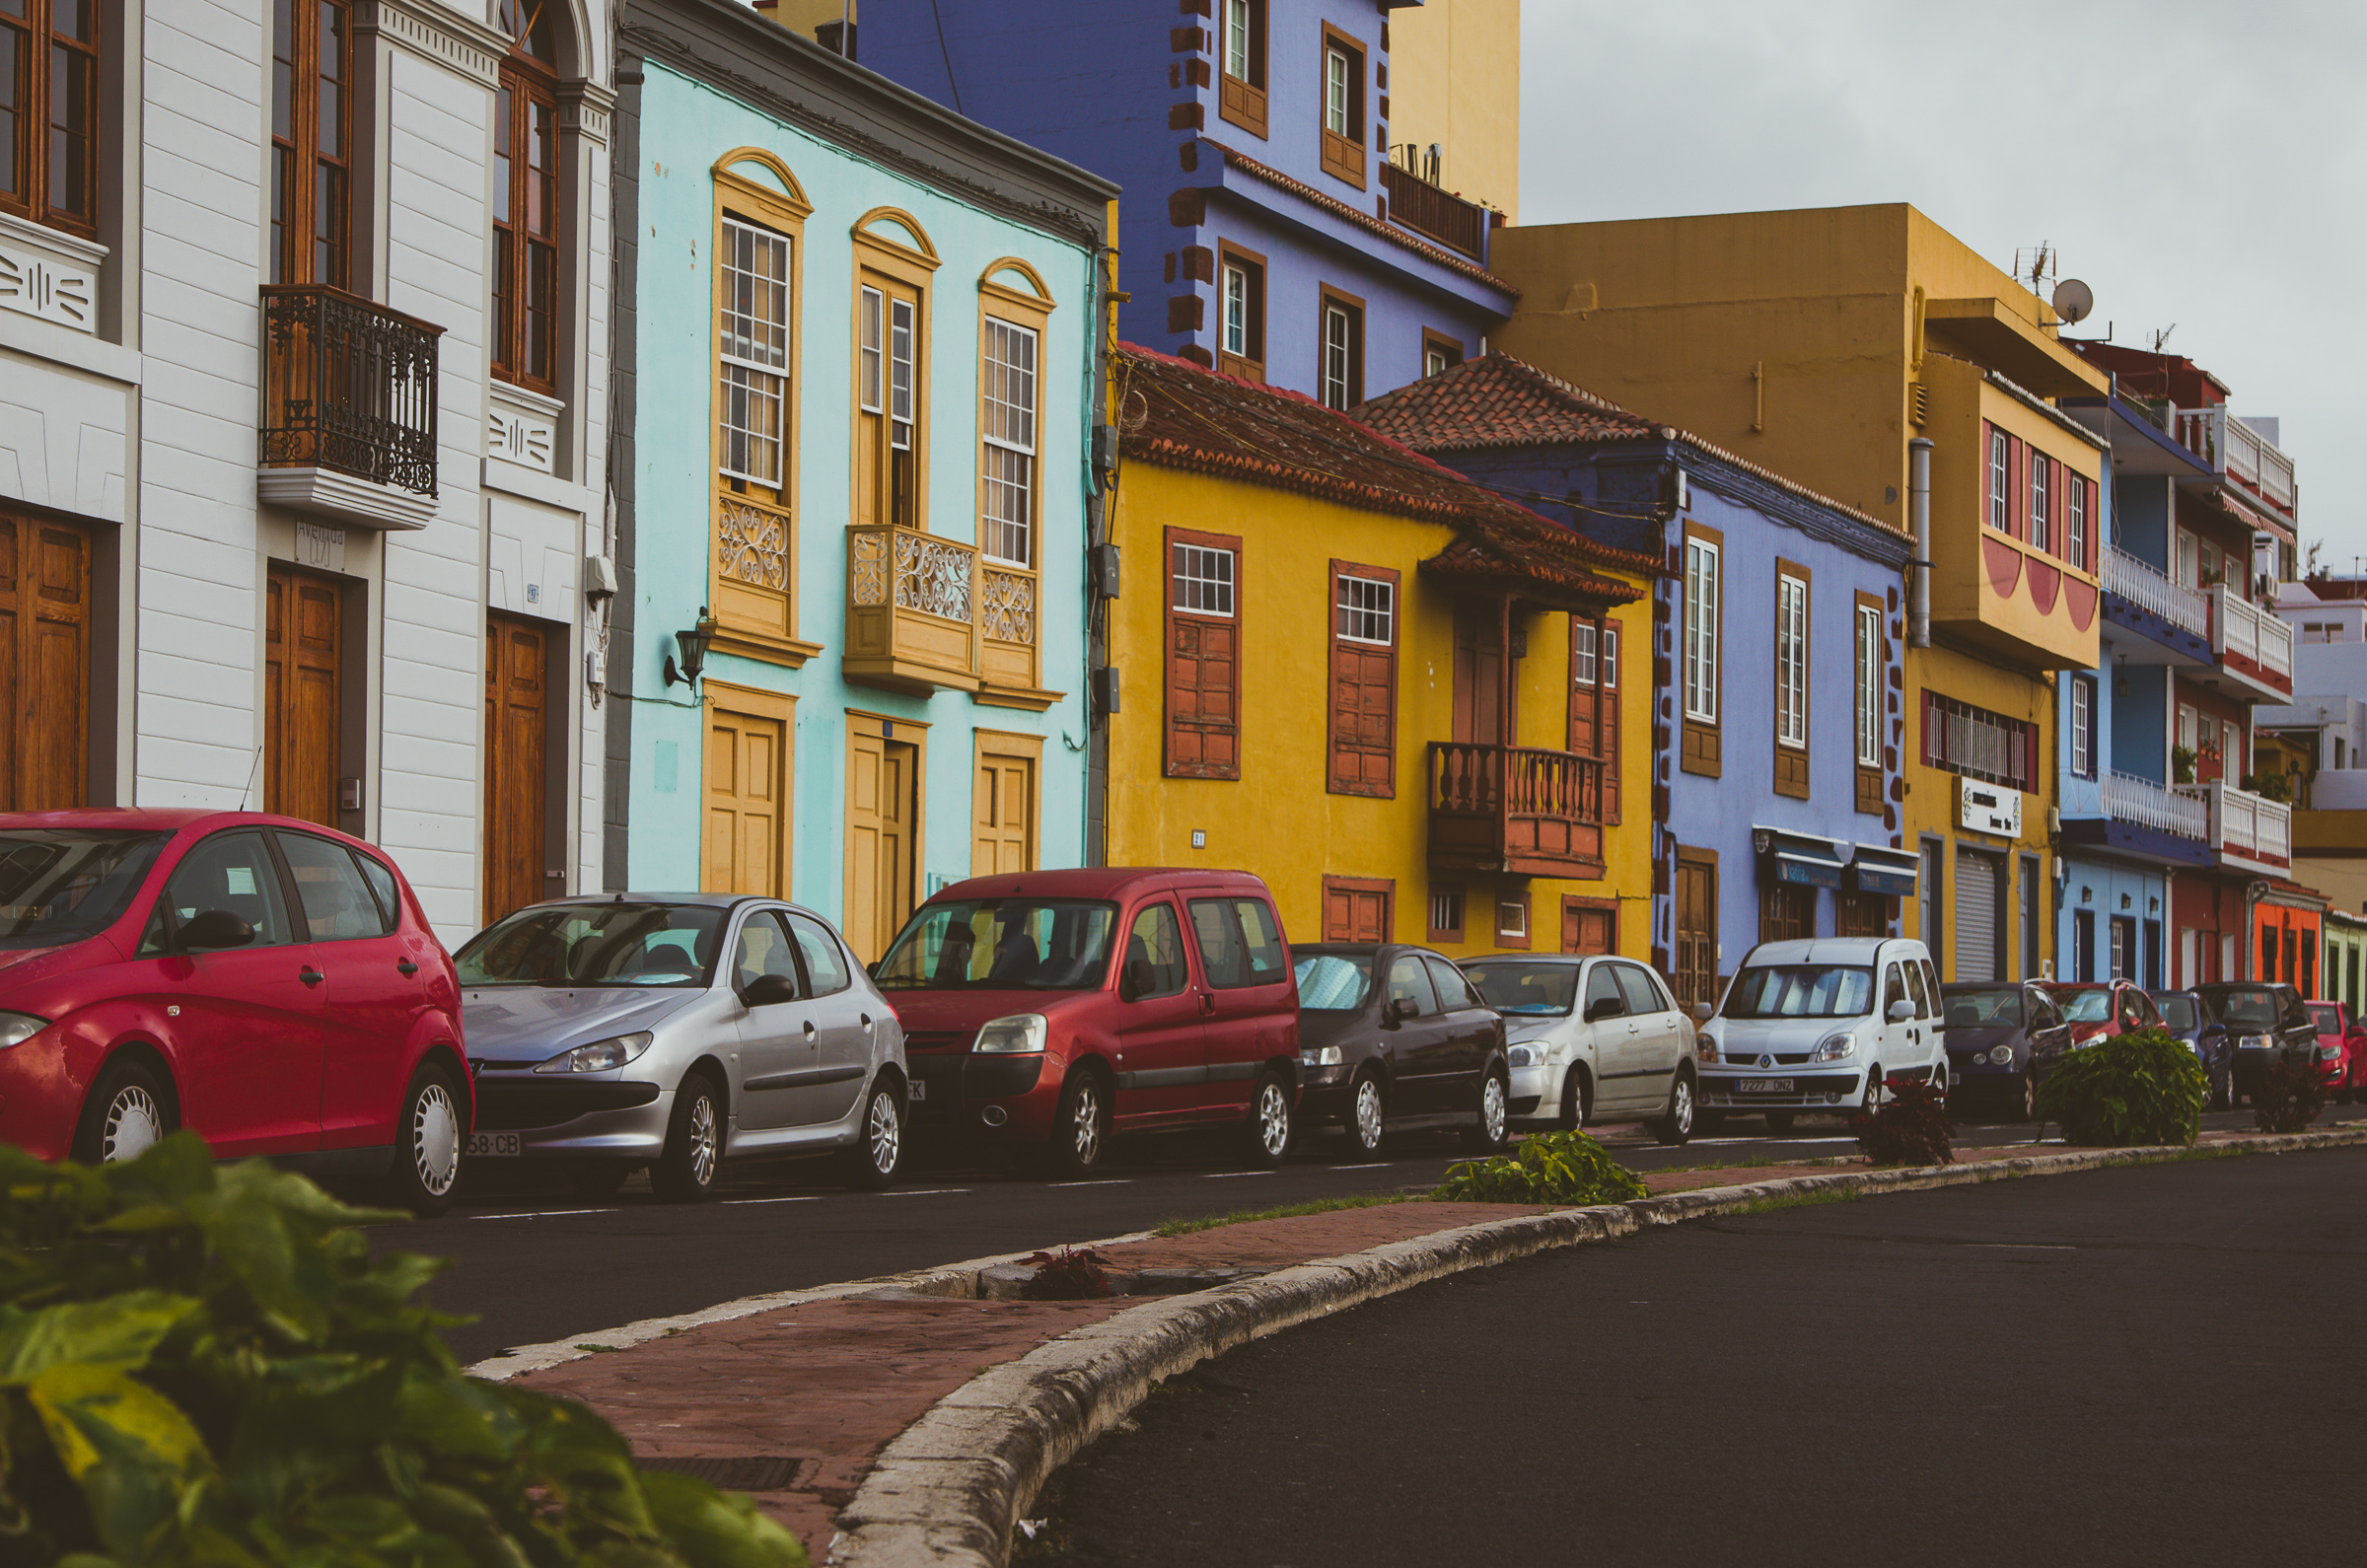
1774,787
1265,232
859,367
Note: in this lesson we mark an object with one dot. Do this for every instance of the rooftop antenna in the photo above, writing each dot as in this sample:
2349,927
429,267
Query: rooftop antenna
2035,266
2162,335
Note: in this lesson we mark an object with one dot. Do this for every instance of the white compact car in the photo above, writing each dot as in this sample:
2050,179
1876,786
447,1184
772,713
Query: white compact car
1822,1025
1590,1038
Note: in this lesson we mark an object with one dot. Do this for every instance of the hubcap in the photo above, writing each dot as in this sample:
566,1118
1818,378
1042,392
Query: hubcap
702,1139
134,1122
1273,1121
887,1137
1089,1124
1368,1114
436,1140
1683,1115
1491,1111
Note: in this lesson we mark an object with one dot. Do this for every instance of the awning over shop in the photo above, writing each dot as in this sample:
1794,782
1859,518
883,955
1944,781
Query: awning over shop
1798,859
1877,868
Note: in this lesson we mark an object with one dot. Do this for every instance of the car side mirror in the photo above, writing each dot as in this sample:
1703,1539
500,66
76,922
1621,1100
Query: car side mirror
1603,1007
1134,981
1397,1008
769,990
215,929
1902,1011
1702,1012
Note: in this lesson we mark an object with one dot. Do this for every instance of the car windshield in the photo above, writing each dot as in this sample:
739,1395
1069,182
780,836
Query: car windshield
1333,982
2325,1020
1801,990
1003,944
60,887
1995,1009
2087,1007
1533,990
2247,1009
596,944
2178,1012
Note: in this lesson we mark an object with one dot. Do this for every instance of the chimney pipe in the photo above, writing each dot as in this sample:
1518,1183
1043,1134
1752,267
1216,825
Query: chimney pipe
1919,514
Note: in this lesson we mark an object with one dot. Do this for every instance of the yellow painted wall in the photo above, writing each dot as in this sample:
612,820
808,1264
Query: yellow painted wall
1278,819
1455,79
801,17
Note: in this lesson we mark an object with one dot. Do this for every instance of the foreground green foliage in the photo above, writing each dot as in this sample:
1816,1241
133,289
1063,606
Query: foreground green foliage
2289,1097
2145,1088
1549,1168
203,1366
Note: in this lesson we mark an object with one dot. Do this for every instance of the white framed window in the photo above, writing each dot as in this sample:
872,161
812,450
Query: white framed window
2001,481
2075,521
1237,310
2231,749
2042,523
1512,918
1869,686
1338,77
1446,909
1791,662
1434,362
1008,457
2185,726
2189,560
875,351
1237,39
900,316
1366,611
1701,563
1204,580
752,346
1339,359
2082,726
1582,655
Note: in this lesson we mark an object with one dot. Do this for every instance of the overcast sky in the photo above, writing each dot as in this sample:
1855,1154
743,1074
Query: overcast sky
2197,164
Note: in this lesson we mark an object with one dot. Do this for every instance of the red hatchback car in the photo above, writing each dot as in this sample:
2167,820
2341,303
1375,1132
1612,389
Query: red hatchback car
2341,1049
2101,1009
269,983
1054,1008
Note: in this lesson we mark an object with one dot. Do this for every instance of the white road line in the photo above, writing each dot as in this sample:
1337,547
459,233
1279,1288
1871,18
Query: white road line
923,1192
2025,1246
1221,1176
729,1202
1382,1166
544,1214
1113,1181
1780,1143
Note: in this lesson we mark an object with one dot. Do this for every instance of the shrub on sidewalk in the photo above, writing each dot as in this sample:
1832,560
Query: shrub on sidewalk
1070,1274
1549,1168
1911,1126
2289,1095
204,1365
2143,1088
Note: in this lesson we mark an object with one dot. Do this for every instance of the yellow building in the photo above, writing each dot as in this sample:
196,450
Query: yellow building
1313,685
1836,346
1455,84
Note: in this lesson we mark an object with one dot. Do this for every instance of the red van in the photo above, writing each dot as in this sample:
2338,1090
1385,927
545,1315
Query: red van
1054,1008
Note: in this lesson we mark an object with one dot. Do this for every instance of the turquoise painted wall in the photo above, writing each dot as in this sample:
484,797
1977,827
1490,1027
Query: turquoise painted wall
685,127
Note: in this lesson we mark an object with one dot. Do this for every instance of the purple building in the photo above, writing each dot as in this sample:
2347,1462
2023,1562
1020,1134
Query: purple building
1264,230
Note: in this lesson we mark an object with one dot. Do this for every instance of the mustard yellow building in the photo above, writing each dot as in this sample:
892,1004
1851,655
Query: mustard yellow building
1455,86
1366,679
1869,354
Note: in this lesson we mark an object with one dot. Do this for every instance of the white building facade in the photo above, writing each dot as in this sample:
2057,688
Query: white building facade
303,384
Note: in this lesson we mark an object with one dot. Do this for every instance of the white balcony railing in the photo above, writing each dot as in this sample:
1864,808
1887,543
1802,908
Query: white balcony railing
2240,626
2137,581
2130,799
2234,449
2244,826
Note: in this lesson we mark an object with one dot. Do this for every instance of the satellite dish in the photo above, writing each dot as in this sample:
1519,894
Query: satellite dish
2073,300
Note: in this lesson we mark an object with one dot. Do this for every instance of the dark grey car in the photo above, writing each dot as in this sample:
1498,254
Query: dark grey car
677,1032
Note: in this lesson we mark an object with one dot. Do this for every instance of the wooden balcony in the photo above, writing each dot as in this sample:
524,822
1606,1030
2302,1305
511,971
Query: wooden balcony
1515,809
911,610
1435,214
1010,652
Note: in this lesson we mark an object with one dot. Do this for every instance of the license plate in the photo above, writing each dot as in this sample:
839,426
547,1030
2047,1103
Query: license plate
1764,1085
917,1090
495,1145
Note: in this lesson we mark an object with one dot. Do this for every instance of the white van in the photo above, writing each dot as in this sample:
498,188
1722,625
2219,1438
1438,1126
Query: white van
1822,1025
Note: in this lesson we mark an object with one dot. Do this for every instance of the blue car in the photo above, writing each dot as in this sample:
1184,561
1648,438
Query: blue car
2182,1016
2003,1039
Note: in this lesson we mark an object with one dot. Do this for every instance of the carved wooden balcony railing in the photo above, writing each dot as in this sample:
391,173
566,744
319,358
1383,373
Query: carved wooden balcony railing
1518,809
913,610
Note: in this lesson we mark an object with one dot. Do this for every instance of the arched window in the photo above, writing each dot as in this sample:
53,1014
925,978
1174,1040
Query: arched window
49,111
526,227
312,142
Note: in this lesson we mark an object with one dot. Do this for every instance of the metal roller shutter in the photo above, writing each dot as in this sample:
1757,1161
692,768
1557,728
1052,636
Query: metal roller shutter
1977,879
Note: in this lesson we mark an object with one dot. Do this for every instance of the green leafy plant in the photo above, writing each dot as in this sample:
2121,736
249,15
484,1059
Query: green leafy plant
2141,1088
2289,1095
2181,765
204,1366
1911,1126
1551,1168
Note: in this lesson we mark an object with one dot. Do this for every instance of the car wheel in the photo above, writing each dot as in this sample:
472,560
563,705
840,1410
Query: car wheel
1939,1079
2026,1101
1874,1085
1268,1128
1676,1124
1782,1121
873,1162
2223,1089
1368,1117
1080,1126
693,1155
1487,1135
597,1178
428,1136
1577,1100
125,1116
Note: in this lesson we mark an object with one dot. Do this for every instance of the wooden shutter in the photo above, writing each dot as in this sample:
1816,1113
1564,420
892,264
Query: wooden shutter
44,665
1203,674
516,751
1583,738
1357,908
1588,928
1364,696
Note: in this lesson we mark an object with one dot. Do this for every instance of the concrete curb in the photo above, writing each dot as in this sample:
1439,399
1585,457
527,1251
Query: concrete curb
948,1491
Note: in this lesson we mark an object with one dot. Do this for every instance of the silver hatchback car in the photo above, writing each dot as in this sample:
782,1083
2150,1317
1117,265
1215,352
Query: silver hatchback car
677,1030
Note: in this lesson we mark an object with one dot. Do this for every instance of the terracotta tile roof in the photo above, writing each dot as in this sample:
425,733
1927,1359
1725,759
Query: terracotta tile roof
1177,415
1362,219
1497,401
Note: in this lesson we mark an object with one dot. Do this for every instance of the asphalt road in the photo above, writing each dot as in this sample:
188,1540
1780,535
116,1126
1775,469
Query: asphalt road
534,1263
2153,1364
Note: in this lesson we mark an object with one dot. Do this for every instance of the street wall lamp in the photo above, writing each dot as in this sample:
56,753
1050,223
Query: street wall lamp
694,645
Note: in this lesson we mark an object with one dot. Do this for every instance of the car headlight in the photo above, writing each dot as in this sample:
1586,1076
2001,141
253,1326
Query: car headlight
1705,1047
601,1056
1015,1034
1529,1055
2325,1053
1332,1056
18,1027
1835,1048
2255,1043
2002,1055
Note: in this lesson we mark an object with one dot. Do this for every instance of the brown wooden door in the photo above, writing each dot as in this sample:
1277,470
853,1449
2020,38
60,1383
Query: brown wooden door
744,785
517,791
1586,929
881,814
1002,837
1356,909
1478,676
1697,932
303,670
44,665
1364,690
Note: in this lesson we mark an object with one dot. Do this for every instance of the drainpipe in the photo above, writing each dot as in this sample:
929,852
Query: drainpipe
1918,512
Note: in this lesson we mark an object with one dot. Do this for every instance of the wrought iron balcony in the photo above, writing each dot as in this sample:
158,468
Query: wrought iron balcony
1435,214
1517,810
349,387
913,610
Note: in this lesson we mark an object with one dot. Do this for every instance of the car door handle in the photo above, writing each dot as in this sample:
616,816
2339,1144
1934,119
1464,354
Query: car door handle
406,969
310,976
1207,1003
808,1028
866,1017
